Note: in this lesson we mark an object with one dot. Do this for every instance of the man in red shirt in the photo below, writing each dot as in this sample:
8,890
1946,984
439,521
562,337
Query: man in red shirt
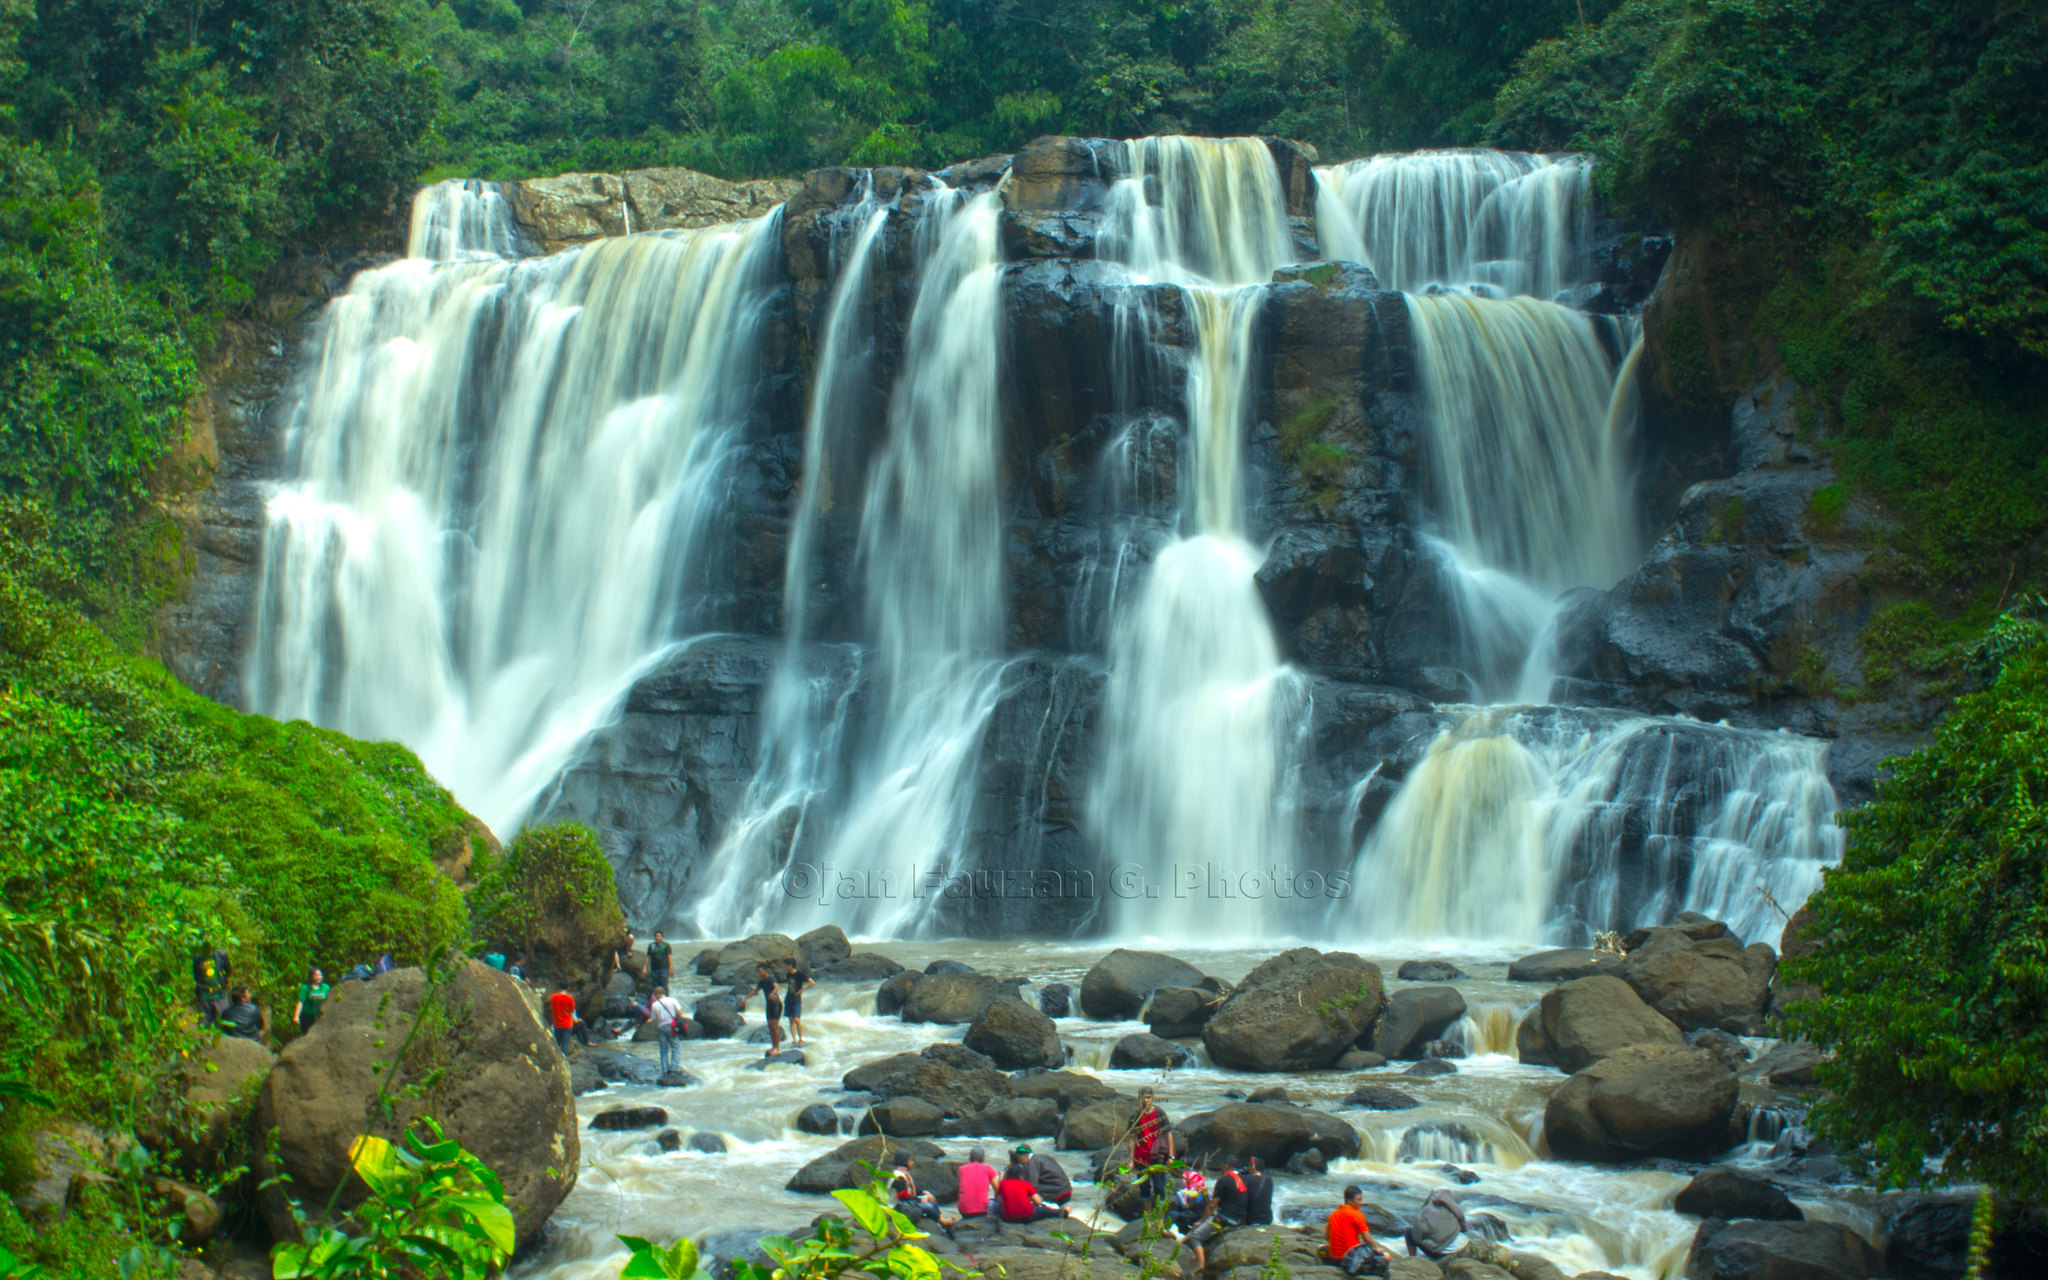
562,1011
1348,1238
977,1184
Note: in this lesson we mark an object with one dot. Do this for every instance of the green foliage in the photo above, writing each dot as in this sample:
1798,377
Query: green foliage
552,891
833,1249
1933,955
139,822
651,1261
432,1209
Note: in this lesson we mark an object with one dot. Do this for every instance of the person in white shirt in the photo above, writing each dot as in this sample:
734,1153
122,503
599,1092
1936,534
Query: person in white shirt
667,1017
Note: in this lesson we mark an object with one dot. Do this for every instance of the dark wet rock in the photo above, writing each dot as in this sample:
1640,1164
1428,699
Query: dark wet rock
710,1144
1588,1019
1789,1062
1379,1097
1927,1237
901,1117
948,966
955,998
619,1067
669,1140
1445,1049
1146,1051
1429,971
1180,1012
583,1076
1755,1250
719,1015
1413,1016
955,1053
1359,1060
1698,982
1008,1118
1729,1049
1066,1088
956,1091
1091,1126
817,1118
1296,1012
787,1058
1563,965
863,966
1056,1000
1432,1067
867,1075
620,1119
1013,1035
676,1079
739,962
823,947
1269,1093
1731,1193
1308,1163
1273,1134
847,1165
1643,1101
1117,986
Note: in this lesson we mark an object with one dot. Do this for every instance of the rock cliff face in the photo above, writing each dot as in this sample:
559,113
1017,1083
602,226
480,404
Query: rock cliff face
1744,600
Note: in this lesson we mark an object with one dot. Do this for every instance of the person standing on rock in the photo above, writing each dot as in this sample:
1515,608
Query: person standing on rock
1046,1176
562,1012
1348,1238
793,1002
312,994
977,1184
659,956
1145,1147
667,1017
771,996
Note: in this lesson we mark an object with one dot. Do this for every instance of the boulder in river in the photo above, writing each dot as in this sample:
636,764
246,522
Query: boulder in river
1588,1019
1273,1134
719,1016
1092,1126
955,998
1055,1000
737,960
955,1091
817,1118
1360,1060
956,1054
847,1166
1732,1193
1429,971
1297,1012
1414,1016
1758,1250
1144,1051
824,946
1563,965
497,1083
1177,1012
1432,1067
1927,1237
1703,982
901,1118
1068,1089
1008,1118
622,1119
1652,1100
1116,988
862,966
1789,1062
1014,1035
1379,1097
616,1066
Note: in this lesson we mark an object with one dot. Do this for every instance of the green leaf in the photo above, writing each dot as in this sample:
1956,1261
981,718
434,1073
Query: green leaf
866,1210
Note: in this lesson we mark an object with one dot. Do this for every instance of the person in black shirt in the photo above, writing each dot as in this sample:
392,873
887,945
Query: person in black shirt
793,1002
1230,1200
1259,1191
659,958
771,995
242,1018
210,973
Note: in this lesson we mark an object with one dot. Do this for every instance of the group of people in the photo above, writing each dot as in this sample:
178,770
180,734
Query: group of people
780,1000
1030,1188
231,1007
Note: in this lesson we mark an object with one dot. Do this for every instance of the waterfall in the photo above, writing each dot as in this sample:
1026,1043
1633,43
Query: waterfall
930,552
1511,222
1193,757
462,219
1525,827
501,477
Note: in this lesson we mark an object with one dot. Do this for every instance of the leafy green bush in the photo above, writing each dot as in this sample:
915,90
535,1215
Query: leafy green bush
1932,962
552,892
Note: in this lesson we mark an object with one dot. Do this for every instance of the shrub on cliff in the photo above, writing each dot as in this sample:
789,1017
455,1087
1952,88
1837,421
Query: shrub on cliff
551,892
1933,955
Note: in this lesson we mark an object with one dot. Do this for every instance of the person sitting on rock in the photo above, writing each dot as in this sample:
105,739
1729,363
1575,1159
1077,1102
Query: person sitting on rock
1259,1193
977,1185
1190,1203
1020,1201
517,968
916,1205
242,1018
1348,1238
1232,1194
1046,1176
1437,1226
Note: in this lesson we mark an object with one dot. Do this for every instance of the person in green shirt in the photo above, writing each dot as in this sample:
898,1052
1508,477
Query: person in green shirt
312,994
658,954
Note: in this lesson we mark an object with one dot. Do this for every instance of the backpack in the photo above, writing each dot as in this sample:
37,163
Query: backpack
361,973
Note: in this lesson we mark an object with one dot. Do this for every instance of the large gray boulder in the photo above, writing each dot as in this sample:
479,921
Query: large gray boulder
491,1074
853,1164
955,998
861,966
1645,1101
1588,1019
1703,982
1015,1036
824,946
1092,1126
1066,1088
1118,985
1729,1194
955,1091
1563,965
1272,1133
869,1074
1780,1251
901,1118
1008,1118
1413,1017
1295,1013
220,1086
1177,1012
738,961
1147,1052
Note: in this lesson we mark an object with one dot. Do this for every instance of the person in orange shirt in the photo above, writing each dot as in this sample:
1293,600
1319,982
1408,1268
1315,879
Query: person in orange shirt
1348,1238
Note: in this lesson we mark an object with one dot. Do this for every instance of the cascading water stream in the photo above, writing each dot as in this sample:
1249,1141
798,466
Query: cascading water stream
501,480
462,219
1193,755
